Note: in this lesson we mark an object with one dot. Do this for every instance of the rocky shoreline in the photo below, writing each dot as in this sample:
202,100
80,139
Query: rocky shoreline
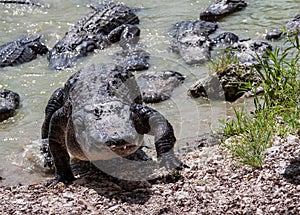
214,184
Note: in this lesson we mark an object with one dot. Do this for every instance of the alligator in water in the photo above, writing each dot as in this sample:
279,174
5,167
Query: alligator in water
21,2
9,102
108,23
99,115
22,50
221,9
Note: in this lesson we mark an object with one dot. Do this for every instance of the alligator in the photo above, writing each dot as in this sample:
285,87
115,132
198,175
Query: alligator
99,115
108,23
9,102
21,2
158,86
23,50
222,8
190,40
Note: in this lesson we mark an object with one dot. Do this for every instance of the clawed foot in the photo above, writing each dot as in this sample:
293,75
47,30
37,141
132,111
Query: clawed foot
60,178
170,161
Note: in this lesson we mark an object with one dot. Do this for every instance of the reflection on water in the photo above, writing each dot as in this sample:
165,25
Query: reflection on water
35,82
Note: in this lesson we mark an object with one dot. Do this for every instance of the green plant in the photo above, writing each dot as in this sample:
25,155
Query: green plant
222,61
276,111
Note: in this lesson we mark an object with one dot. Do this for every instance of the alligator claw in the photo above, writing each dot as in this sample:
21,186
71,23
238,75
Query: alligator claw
170,161
60,178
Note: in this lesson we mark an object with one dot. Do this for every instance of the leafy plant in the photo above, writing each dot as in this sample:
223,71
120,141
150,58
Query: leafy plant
276,111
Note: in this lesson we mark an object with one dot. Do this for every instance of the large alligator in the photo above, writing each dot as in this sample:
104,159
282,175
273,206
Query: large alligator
22,50
99,115
108,23
9,102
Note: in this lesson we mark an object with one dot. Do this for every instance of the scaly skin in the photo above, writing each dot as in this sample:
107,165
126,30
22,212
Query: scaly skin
99,115
97,30
21,51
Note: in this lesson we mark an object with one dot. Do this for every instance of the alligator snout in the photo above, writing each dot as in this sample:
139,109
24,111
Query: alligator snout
121,147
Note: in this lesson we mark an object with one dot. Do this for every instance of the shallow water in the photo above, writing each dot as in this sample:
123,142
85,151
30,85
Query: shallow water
35,82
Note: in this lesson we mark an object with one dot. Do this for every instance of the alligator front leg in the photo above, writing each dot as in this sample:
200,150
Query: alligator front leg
58,148
55,102
149,121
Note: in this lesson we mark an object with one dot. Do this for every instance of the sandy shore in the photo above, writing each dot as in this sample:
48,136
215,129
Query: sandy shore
214,184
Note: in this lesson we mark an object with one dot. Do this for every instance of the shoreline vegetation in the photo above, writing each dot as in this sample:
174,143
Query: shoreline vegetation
276,110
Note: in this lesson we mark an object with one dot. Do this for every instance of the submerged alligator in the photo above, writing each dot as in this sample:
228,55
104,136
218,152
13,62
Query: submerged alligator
99,115
221,9
9,102
22,50
21,2
108,23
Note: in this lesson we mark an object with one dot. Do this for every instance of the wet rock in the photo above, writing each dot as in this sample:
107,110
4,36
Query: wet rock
227,84
9,102
274,34
246,51
291,28
221,9
190,40
293,25
24,49
158,86
227,38
133,59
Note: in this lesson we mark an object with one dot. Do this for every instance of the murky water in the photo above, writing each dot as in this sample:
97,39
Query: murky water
35,82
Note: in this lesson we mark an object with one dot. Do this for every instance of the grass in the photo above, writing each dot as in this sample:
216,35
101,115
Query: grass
276,111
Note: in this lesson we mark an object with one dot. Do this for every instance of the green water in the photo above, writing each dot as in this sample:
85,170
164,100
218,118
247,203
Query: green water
35,82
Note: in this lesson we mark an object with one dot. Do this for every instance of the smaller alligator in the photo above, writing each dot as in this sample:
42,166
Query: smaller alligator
99,115
158,86
9,102
190,40
108,23
221,9
22,50
22,2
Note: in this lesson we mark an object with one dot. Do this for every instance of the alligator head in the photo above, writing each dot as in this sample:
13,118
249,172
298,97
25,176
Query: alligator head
106,128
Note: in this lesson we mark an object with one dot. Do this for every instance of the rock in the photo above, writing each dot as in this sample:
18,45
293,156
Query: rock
226,84
291,28
221,9
133,59
158,86
246,51
190,40
9,103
